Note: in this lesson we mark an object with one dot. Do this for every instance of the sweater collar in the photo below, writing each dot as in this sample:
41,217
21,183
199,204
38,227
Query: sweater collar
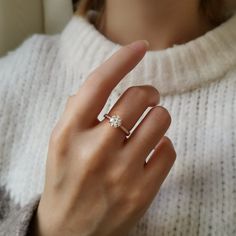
174,70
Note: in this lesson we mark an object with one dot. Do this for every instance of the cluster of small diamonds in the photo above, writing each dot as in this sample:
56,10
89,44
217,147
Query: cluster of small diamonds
115,121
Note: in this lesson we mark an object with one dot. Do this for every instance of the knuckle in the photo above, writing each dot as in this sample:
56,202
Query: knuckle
114,177
89,163
163,113
139,92
94,158
148,94
59,138
155,98
65,129
167,141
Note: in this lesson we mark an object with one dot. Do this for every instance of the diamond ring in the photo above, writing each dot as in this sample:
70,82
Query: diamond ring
116,122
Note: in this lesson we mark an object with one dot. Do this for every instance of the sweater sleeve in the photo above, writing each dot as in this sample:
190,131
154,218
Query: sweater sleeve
15,72
15,220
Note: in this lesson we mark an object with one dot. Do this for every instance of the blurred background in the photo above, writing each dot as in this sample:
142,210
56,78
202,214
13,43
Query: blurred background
20,19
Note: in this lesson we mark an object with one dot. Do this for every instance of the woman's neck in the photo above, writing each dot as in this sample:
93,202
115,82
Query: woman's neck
162,22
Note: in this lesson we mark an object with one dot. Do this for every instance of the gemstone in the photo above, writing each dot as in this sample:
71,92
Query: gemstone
115,121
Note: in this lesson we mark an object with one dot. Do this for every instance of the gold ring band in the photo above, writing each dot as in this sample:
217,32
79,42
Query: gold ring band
116,122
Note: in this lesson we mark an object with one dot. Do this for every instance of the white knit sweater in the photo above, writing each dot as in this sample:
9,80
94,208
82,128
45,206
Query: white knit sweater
197,83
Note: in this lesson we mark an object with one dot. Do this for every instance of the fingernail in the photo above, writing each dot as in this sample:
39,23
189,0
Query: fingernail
147,43
139,44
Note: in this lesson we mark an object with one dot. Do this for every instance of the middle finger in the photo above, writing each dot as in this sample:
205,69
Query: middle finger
148,133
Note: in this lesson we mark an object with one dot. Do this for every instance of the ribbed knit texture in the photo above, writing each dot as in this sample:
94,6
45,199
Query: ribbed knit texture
197,83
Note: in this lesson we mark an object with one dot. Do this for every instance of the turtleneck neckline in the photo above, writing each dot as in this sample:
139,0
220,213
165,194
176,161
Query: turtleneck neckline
173,70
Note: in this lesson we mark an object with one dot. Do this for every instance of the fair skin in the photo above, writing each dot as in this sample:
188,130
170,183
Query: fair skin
97,180
162,22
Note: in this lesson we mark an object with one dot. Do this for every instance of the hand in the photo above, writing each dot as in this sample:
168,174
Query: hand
97,180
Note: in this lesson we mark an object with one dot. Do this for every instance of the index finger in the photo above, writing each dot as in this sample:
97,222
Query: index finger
95,91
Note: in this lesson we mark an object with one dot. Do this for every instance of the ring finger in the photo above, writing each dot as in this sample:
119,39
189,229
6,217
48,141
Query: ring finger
130,107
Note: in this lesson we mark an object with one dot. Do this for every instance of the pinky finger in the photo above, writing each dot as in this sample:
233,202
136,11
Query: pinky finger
158,167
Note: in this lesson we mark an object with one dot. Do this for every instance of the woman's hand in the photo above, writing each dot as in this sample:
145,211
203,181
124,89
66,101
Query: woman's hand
97,180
